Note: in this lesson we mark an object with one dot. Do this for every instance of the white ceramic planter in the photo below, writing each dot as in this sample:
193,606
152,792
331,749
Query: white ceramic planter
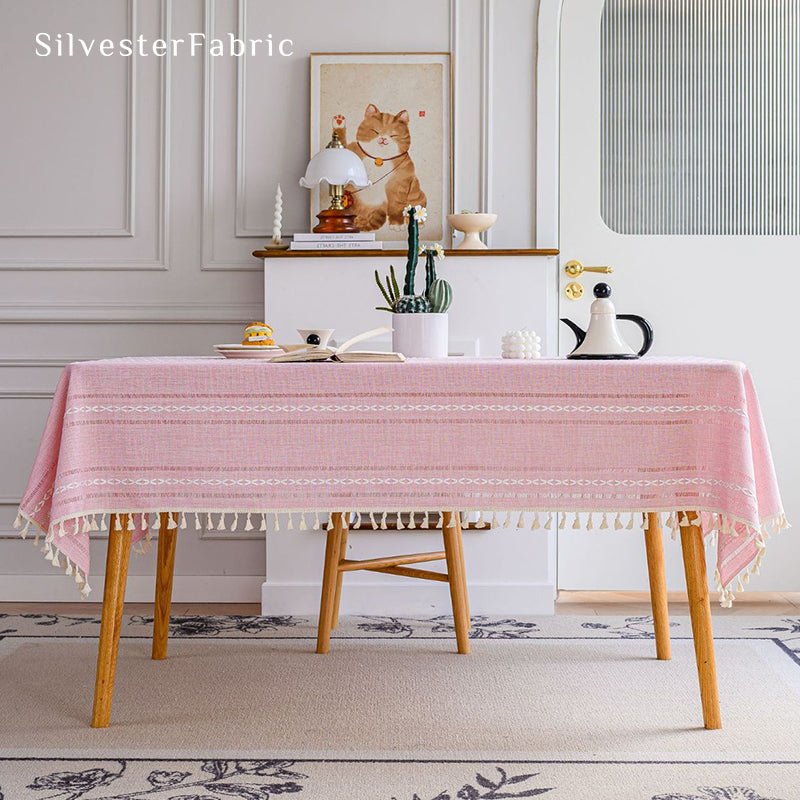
420,335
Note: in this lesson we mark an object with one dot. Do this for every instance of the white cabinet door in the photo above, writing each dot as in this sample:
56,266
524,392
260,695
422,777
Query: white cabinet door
680,168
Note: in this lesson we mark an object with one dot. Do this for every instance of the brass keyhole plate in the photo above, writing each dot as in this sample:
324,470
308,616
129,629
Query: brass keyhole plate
573,290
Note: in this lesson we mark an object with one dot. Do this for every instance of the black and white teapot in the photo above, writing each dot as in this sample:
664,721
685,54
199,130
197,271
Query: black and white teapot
602,339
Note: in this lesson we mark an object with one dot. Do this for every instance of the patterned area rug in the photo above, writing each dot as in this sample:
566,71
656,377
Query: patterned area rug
567,707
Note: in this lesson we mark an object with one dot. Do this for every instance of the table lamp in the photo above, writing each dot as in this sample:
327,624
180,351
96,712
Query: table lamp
338,167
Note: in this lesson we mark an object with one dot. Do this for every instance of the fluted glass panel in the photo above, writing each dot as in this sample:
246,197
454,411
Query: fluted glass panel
700,117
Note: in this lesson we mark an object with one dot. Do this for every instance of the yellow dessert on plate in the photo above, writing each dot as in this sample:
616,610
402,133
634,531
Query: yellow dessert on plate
258,334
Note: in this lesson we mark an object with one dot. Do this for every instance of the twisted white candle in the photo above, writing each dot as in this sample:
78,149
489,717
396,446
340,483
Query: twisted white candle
278,218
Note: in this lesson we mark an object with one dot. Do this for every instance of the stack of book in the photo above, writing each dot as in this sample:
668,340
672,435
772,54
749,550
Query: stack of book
335,241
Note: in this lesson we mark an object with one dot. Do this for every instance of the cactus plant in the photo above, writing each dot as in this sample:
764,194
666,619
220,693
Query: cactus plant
440,296
430,270
413,213
390,292
411,303
438,293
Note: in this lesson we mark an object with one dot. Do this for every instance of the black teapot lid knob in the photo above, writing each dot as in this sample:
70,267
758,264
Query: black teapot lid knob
602,290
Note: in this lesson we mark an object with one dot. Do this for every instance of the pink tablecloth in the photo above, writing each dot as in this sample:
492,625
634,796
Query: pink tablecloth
235,442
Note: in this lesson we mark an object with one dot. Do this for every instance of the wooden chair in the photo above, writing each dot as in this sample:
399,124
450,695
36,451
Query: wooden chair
336,564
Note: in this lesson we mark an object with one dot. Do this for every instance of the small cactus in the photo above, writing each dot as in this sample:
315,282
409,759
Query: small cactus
390,292
430,269
412,304
440,296
415,213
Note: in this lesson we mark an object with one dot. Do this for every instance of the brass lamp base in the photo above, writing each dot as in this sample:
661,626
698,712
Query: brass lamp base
336,220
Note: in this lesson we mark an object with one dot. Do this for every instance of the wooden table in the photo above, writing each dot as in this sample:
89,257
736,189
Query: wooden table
645,438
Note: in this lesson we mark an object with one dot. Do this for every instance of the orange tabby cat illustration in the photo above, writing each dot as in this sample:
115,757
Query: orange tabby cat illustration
383,142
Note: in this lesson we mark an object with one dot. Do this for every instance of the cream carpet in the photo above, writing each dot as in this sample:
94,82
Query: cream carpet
564,706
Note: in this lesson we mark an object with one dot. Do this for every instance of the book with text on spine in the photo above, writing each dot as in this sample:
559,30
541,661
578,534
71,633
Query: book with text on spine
361,236
338,245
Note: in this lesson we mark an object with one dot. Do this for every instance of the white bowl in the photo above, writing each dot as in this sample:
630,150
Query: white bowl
323,333
472,225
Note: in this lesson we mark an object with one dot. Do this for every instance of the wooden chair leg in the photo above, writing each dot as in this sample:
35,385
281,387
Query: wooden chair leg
339,578
451,533
329,580
119,550
165,570
694,563
654,544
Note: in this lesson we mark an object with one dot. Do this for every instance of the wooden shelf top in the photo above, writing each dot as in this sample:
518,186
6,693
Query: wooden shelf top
395,253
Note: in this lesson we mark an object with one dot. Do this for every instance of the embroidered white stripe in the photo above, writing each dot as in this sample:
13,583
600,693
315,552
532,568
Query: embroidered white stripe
390,481
435,408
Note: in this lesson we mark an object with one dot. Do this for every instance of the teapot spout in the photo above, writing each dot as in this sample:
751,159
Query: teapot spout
580,334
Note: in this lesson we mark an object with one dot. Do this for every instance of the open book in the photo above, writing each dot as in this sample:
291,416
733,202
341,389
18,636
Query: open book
310,352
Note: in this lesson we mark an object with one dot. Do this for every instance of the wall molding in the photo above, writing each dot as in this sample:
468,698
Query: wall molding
160,261
454,83
121,313
241,230
55,587
547,122
240,190
36,362
208,262
487,109
207,209
129,189
26,394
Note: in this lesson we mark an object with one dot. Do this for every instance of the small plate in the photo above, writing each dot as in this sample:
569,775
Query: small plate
248,350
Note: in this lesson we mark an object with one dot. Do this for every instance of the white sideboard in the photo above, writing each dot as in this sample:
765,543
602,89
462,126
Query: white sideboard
493,291
509,571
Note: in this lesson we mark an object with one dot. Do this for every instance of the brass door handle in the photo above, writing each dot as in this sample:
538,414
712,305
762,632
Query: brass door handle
574,269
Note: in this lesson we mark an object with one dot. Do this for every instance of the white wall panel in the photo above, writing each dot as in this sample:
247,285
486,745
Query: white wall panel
72,165
85,163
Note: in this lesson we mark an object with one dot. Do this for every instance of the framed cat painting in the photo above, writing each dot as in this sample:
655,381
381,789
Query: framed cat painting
393,110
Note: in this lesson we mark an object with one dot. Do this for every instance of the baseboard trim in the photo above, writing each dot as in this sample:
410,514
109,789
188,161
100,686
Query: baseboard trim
300,598
57,588
412,597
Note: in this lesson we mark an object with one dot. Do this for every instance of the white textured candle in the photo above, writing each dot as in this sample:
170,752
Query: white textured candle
521,344
278,218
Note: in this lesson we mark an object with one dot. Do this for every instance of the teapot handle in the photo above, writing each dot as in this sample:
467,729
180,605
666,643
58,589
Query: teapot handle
644,326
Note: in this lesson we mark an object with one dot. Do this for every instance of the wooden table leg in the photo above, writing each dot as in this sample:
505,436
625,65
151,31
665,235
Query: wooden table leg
329,580
694,563
455,571
119,550
339,578
654,544
165,570
463,563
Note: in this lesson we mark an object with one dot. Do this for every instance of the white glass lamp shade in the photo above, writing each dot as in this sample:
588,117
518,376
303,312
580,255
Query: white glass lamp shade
337,167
